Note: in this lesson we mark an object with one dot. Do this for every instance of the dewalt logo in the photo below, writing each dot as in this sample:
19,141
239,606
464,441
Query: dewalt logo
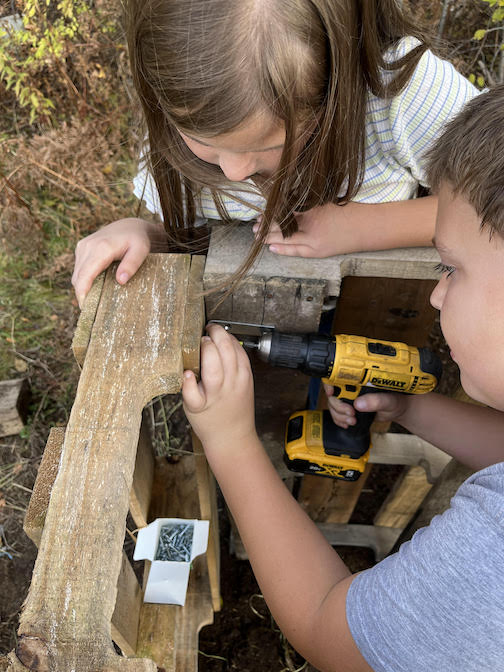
388,382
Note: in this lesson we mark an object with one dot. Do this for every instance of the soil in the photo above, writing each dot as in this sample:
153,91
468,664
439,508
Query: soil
244,637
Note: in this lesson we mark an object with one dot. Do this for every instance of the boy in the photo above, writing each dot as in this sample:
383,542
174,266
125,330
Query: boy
437,604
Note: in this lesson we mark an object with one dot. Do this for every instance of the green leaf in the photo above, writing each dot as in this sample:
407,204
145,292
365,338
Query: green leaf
479,34
481,81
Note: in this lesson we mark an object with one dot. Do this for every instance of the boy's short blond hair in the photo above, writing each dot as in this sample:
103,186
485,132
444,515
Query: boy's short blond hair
469,155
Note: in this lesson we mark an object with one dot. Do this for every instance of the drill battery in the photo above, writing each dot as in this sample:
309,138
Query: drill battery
315,445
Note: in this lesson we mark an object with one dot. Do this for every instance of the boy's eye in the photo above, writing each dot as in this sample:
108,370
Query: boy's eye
443,268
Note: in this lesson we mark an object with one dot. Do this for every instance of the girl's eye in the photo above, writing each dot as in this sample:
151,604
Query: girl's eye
443,268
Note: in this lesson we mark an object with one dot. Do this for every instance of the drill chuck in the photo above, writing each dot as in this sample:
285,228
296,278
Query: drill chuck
312,354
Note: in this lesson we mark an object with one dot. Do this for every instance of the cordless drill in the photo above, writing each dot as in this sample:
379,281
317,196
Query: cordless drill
354,365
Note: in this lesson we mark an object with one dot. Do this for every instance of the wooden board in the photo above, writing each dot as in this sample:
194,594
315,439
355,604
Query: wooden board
230,247
86,320
124,625
14,397
134,354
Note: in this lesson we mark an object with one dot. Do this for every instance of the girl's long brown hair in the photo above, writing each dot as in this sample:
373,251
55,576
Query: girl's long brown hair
206,66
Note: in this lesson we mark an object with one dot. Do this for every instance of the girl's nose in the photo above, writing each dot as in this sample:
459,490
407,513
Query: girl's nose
236,167
438,293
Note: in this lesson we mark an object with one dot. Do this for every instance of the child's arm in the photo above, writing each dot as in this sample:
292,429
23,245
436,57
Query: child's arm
331,229
129,240
303,580
470,433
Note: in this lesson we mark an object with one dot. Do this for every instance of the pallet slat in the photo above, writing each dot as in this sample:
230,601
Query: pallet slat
133,355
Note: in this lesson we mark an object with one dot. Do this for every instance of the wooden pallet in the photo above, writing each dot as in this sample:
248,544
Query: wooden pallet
133,342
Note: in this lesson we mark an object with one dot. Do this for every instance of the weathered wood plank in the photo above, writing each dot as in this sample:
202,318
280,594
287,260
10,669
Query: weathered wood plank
380,539
14,396
134,354
207,492
86,320
141,487
333,502
39,501
404,499
229,248
124,626
194,320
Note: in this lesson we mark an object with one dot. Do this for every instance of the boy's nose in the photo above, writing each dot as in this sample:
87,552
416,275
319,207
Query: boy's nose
438,294
236,167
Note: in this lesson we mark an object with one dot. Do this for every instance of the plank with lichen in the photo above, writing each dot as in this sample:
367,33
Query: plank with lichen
134,354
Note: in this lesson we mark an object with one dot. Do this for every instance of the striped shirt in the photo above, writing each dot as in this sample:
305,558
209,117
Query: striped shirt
399,131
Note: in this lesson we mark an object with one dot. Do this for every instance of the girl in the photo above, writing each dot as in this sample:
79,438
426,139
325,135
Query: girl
308,104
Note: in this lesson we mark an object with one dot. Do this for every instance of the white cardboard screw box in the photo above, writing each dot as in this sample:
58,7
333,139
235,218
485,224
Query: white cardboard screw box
167,580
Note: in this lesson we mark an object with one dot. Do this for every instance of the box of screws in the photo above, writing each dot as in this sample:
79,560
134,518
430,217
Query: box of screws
170,544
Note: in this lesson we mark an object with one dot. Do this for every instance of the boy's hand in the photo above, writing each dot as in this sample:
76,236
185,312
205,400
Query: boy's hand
220,407
388,407
126,239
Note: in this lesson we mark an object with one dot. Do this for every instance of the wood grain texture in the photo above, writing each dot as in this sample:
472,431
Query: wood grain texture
134,354
86,320
124,626
39,501
14,398
229,248
194,320
404,499
207,492
141,488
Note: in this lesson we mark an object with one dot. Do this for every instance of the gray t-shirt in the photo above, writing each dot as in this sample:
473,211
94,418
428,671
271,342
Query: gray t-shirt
438,604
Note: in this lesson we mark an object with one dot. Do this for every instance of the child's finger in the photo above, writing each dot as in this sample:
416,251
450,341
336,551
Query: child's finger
273,227
225,344
328,389
289,250
370,403
342,414
212,371
84,276
192,393
131,262
342,407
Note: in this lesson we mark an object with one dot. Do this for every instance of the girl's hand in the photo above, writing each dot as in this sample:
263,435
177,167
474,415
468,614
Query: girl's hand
125,239
388,407
220,407
332,229
324,231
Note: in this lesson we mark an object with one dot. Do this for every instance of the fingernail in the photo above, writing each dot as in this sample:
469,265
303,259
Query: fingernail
124,277
273,249
187,374
255,228
205,339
